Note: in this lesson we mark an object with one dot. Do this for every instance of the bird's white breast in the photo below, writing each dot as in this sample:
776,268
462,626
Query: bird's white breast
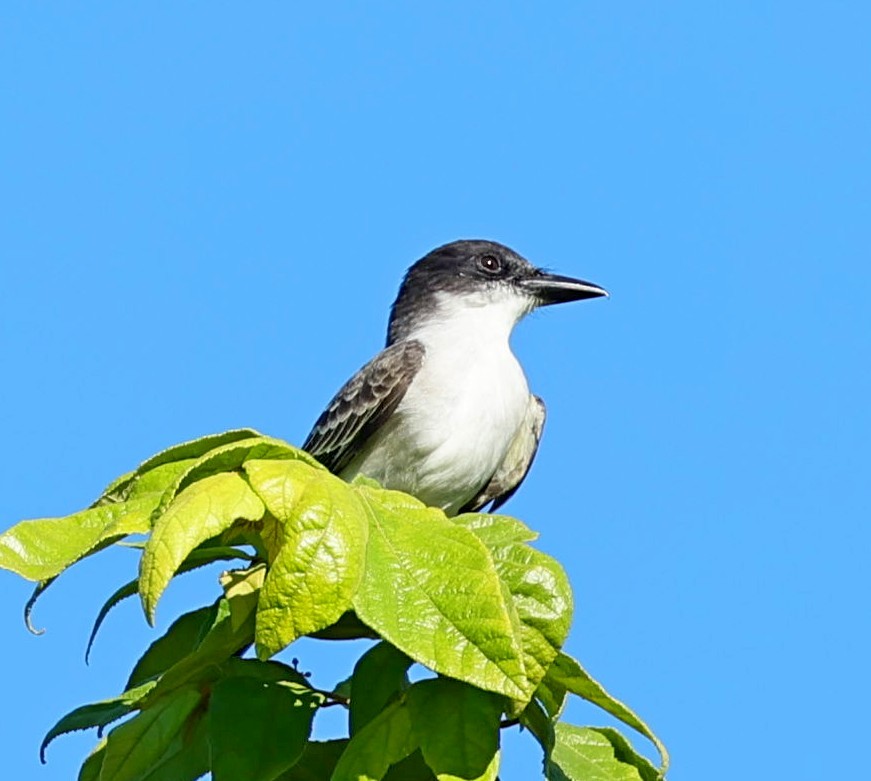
456,421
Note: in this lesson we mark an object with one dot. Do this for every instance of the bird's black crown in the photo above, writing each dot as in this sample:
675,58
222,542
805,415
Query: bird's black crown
459,267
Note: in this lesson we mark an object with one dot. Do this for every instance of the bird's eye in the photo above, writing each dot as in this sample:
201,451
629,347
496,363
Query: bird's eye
490,263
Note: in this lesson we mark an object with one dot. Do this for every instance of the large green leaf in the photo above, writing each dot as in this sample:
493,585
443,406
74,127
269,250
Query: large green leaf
97,714
538,585
322,532
119,489
135,747
154,481
380,675
583,754
383,742
41,549
203,510
258,728
496,531
567,674
457,726
431,588
232,456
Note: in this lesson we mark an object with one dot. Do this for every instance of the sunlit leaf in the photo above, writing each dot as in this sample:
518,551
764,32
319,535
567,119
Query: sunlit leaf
322,542
231,457
41,549
202,511
242,589
582,754
431,589
566,673
538,585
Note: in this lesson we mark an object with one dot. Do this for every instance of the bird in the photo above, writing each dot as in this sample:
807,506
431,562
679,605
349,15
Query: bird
444,412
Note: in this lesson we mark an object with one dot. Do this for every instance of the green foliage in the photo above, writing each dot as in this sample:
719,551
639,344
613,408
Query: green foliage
468,598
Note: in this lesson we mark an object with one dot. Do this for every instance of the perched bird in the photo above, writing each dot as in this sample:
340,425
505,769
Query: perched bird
444,412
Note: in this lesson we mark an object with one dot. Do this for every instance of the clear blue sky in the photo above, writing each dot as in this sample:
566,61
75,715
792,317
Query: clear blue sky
205,211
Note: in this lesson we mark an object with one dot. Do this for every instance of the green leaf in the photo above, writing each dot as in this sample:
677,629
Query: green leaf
566,673
91,767
583,754
624,751
538,585
317,762
380,675
155,481
231,457
496,531
187,756
321,550
182,638
40,549
137,746
457,726
257,728
43,548
552,696
196,448
97,714
242,589
219,642
119,490
431,589
202,511
383,742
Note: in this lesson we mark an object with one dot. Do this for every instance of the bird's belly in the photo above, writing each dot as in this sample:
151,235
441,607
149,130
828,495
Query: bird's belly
443,444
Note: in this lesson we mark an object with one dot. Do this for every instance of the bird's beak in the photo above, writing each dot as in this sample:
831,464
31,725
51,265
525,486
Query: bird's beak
554,289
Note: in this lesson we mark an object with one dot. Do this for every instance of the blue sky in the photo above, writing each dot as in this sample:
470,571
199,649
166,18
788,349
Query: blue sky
205,211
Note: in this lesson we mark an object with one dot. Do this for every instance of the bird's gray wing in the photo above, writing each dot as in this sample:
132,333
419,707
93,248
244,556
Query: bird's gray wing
363,404
515,466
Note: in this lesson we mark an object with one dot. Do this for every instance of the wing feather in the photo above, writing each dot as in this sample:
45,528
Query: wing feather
363,404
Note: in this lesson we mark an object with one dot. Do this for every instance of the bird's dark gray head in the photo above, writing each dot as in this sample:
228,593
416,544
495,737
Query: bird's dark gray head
478,273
